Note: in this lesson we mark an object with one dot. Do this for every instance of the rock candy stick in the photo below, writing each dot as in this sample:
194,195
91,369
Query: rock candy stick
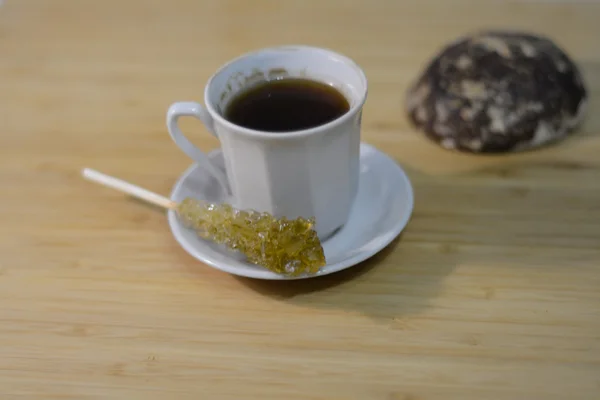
285,246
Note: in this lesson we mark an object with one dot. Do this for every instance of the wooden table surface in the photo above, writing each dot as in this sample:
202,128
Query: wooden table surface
492,292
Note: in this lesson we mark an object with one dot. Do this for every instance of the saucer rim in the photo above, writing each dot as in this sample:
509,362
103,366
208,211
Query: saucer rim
196,253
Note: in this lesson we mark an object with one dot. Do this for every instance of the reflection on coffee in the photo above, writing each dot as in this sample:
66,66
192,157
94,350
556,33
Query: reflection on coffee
286,105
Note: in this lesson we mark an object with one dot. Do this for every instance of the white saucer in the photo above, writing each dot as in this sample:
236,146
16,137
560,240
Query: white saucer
382,209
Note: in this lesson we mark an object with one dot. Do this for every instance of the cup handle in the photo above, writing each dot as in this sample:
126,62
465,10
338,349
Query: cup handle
192,109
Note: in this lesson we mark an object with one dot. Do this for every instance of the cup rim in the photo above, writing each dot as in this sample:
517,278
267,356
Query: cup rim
291,134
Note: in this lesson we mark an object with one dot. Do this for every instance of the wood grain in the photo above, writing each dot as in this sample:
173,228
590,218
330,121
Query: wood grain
492,292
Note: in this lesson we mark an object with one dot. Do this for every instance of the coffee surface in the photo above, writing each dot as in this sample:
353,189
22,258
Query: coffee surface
286,105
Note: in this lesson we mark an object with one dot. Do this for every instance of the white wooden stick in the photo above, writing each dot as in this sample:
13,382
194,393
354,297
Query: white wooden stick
128,188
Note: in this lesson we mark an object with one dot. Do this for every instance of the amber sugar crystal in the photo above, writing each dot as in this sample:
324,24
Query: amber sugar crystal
285,246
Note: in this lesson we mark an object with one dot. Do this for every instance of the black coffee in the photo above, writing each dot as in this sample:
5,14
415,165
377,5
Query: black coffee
286,105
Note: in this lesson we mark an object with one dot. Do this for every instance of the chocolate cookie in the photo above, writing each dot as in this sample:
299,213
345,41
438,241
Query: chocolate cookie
498,91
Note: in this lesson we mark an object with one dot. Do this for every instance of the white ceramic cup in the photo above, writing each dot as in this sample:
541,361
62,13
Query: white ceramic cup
306,173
